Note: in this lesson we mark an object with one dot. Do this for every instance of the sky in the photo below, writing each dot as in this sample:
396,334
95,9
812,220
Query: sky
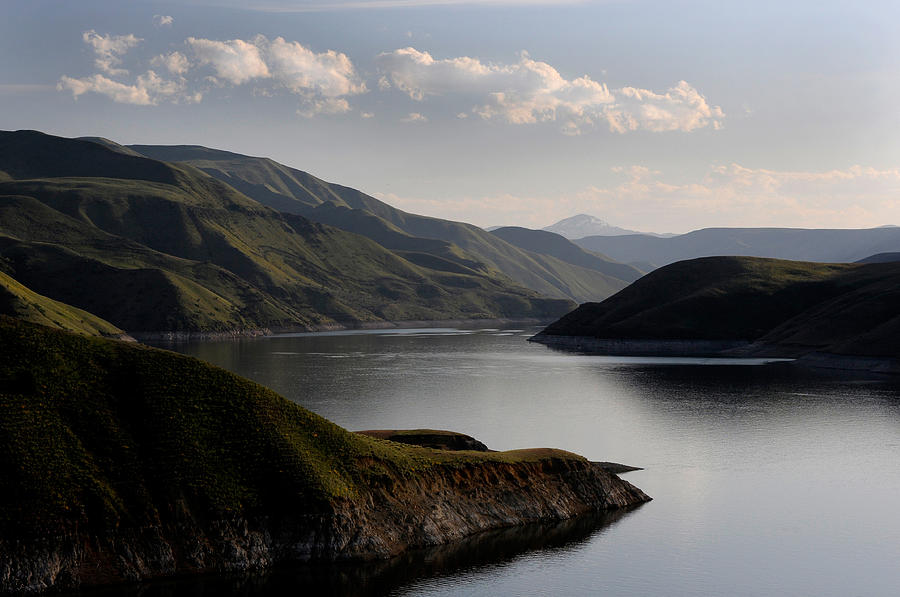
655,115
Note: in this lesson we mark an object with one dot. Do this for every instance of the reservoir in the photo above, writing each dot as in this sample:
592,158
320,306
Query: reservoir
767,478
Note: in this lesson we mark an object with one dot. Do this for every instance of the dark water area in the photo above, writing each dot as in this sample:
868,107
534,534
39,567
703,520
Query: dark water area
766,478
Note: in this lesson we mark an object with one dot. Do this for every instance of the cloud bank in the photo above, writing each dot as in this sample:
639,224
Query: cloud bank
529,91
524,92
323,81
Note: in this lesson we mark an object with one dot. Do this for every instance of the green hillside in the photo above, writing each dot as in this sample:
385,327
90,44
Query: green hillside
550,243
151,246
797,307
19,302
98,434
294,191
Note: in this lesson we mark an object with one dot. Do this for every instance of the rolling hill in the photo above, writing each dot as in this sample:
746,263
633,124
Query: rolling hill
19,302
294,191
153,246
784,308
556,245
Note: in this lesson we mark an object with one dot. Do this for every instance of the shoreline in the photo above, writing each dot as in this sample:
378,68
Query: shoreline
640,348
186,336
802,356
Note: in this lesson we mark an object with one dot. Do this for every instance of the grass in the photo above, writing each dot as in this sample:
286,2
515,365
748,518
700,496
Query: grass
844,308
21,303
204,257
289,190
99,434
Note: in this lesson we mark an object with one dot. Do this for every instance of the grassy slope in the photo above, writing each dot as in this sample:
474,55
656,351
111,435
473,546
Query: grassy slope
550,243
223,260
101,434
291,190
800,306
21,303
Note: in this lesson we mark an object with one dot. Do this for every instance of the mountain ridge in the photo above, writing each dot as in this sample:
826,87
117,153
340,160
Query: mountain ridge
294,191
202,257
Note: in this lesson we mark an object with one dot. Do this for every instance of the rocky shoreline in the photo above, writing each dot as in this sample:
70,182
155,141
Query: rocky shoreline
436,507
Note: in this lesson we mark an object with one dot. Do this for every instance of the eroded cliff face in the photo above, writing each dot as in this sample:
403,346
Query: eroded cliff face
437,506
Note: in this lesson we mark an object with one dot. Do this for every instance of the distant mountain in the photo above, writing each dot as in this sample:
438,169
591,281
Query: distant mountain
153,246
422,239
555,245
584,225
824,245
786,308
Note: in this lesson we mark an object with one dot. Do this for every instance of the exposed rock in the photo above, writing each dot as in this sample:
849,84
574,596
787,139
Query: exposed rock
432,508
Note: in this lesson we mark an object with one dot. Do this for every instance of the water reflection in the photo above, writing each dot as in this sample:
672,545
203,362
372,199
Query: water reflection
479,553
757,472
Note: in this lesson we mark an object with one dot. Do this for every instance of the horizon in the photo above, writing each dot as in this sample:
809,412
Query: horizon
654,117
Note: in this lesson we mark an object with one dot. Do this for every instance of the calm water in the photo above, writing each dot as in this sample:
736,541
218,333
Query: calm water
767,480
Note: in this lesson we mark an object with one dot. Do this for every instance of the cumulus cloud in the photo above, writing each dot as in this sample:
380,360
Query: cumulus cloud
724,195
323,80
530,91
330,105
414,117
299,69
235,61
109,50
149,89
163,20
175,62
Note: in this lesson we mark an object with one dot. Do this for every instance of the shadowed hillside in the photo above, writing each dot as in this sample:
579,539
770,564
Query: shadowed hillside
294,191
151,246
786,308
19,302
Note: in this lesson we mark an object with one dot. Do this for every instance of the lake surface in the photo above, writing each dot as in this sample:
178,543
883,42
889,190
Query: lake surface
766,479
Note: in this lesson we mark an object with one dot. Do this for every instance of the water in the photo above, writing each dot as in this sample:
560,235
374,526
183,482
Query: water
767,479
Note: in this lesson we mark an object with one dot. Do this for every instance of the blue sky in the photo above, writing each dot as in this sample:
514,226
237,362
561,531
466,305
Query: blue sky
655,115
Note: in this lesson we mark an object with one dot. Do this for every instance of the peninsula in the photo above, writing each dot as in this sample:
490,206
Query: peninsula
840,315
123,463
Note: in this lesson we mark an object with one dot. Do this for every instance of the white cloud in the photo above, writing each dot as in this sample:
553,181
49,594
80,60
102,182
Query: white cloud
529,91
299,69
732,195
323,80
330,105
149,89
235,61
366,115
109,50
175,62
97,83
163,20
414,117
